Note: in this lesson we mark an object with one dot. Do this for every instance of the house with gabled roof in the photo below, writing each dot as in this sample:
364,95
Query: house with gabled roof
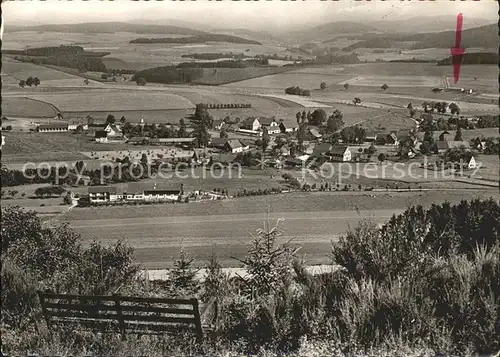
235,146
287,128
101,136
250,123
340,153
218,143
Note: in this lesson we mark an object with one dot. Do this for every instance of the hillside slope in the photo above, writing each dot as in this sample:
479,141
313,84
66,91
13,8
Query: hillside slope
329,30
107,27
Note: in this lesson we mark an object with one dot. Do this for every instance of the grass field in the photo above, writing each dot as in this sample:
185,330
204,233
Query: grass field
25,107
24,147
313,219
217,76
21,70
401,81
115,100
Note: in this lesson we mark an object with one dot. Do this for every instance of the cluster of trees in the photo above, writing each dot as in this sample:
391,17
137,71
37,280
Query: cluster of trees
298,91
50,191
491,145
79,61
30,81
120,72
169,74
440,107
228,106
258,192
206,37
473,58
319,117
291,180
155,130
488,121
429,124
252,62
353,134
248,158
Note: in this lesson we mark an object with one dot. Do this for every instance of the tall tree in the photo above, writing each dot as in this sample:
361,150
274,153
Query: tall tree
384,87
458,134
322,86
335,122
297,116
36,81
318,117
123,120
110,119
265,139
29,81
22,83
182,133
454,108
346,86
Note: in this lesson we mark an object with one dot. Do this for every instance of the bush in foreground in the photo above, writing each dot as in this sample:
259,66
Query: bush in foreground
427,282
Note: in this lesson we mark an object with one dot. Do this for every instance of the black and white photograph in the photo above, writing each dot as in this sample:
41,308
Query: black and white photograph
250,178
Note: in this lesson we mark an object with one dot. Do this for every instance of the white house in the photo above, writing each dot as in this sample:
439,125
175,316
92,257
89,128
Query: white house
340,153
99,194
235,146
270,124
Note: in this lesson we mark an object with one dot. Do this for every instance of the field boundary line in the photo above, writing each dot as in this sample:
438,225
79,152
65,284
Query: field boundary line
56,109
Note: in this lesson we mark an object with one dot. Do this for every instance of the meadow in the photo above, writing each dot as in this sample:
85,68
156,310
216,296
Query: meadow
26,107
114,100
312,219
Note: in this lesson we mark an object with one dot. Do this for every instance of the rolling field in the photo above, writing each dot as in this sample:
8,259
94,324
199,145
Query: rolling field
218,76
25,107
401,81
37,147
293,78
108,100
313,219
22,70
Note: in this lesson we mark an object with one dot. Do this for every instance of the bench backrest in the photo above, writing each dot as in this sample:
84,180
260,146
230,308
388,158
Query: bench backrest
121,313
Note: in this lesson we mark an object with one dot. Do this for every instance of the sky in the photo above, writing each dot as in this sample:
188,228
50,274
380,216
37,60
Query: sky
259,15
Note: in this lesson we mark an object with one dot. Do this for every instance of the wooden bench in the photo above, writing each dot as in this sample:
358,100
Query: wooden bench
121,314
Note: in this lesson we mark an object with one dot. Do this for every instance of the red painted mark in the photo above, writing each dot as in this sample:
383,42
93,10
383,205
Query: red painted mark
457,52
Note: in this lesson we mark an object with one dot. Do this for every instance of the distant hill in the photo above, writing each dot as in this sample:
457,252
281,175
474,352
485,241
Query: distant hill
260,36
425,24
198,39
327,31
484,36
473,58
107,27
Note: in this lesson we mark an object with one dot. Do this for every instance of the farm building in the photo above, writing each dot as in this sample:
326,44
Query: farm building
133,193
314,134
227,127
250,123
99,194
371,137
96,127
101,136
235,146
286,128
340,153
387,139
270,124
322,149
442,146
52,128
218,143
